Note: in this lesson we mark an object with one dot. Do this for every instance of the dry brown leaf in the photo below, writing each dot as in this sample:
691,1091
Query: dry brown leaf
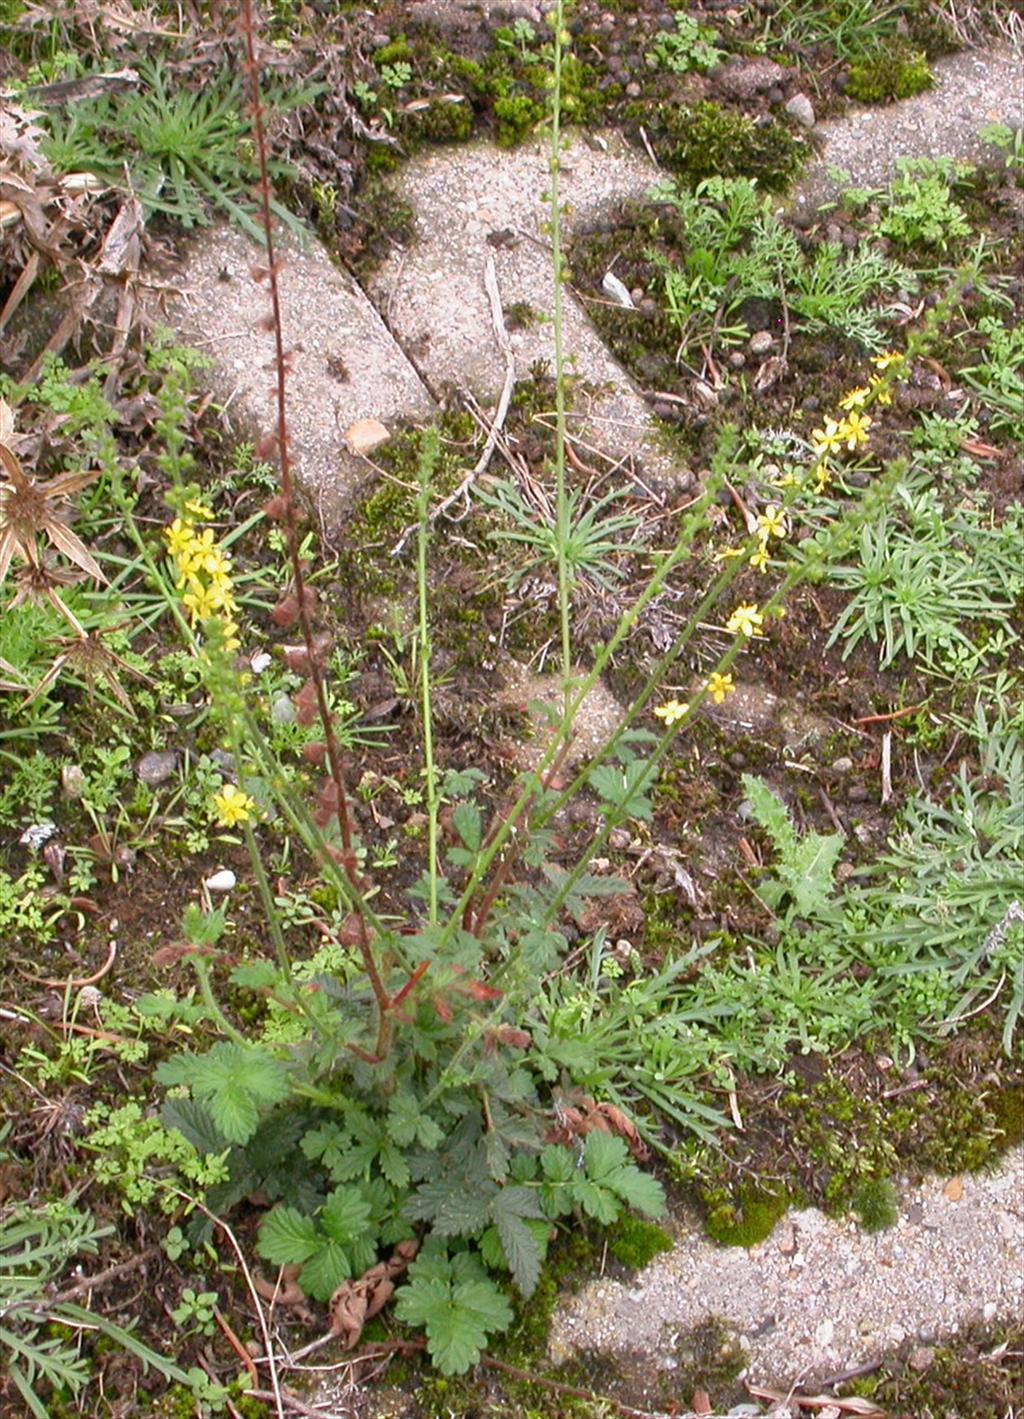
862,1408
286,1292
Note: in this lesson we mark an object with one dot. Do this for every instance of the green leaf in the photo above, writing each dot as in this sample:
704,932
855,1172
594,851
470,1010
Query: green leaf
345,1214
457,1315
809,872
467,823
287,1236
193,1121
597,1201
609,1165
255,975
455,1206
324,1272
236,1081
523,1245
393,1165
623,789
770,814
512,1210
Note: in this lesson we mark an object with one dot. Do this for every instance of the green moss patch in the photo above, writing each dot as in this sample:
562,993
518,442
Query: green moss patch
897,72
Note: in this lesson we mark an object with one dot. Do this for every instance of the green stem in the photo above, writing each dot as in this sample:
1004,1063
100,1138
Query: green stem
202,969
561,501
427,462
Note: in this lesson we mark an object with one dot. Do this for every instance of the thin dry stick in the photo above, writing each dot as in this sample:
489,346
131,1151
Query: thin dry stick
74,982
500,413
558,1387
261,1315
102,1278
297,1406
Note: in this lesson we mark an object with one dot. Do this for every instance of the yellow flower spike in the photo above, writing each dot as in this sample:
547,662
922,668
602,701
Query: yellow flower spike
719,686
671,713
854,429
231,806
199,510
771,522
760,558
880,391
745,621
856,399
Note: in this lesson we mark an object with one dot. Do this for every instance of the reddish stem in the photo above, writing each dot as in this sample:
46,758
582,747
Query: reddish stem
290,522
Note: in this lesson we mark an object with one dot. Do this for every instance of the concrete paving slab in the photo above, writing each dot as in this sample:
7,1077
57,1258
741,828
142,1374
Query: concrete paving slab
480,202
820,1296
345,364
972,88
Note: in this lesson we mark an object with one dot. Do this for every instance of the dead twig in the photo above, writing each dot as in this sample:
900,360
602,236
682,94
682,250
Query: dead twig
461,493
103,1278
74,982
261,1316
886,718
558,1387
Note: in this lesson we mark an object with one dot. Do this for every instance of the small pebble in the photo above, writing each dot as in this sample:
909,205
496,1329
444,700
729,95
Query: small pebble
365,435
157,767
858,793
72,781
842,766
801,109
221,881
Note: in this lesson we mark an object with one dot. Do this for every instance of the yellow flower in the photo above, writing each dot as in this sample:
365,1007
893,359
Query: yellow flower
880,390
203,602
203,555
728,553
719,686
199,510
856,399
232,806
179,537
760,558
823,476
745,621
886,361
772,522
671,713
854,429
828,439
